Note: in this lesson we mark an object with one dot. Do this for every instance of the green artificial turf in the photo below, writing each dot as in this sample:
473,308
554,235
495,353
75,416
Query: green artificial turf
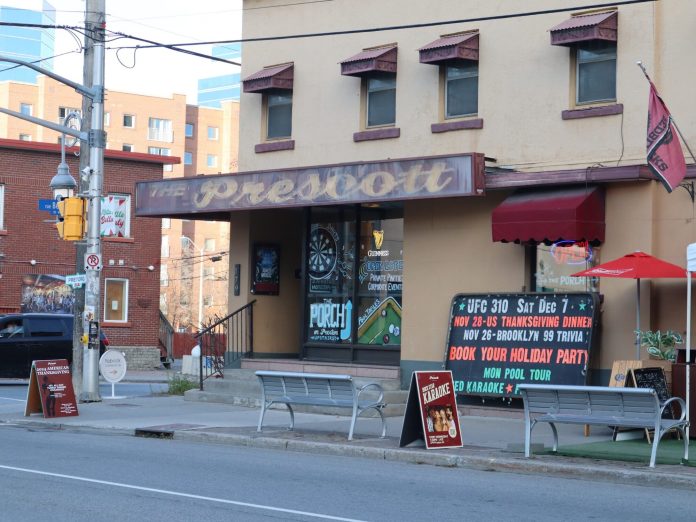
670,451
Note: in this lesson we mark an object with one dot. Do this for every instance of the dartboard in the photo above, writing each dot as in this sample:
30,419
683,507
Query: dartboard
322,253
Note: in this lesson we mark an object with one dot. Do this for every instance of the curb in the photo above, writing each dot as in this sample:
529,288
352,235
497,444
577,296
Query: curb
558,466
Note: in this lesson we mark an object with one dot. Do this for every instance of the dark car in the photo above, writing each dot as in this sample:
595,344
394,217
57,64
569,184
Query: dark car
34,336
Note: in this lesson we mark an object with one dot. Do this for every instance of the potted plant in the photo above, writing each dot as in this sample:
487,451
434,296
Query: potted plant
661,345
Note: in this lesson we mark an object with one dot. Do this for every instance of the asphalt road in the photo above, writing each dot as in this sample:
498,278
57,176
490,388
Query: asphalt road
48,474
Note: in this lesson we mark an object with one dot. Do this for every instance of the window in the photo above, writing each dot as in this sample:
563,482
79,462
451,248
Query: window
11,327
164,275
188,158
381,101
26,108
127,147
188,130
209,272
25,137
209,244
166,223
555,263
461,90
212,160
115,215
165,246
595,72
116,300
47,327
129,121
212,133
2,207
107,119
161,151
64,111
160,130
208,300
279,115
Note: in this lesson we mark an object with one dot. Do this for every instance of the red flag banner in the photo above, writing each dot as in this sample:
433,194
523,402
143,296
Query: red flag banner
665,156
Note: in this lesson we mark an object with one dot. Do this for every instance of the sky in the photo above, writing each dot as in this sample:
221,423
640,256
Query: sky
155,72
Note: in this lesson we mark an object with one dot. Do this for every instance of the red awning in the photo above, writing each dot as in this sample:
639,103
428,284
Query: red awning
451,48
271,78
552,215
370,61
583,28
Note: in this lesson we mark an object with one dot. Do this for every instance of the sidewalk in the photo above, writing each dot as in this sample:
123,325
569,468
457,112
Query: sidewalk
490,443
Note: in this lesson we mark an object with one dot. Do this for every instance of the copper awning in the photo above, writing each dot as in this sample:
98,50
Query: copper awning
271,78
584,28
451,48
370,61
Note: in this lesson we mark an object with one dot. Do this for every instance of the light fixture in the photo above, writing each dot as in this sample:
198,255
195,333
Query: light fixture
32,262
63,184
151,268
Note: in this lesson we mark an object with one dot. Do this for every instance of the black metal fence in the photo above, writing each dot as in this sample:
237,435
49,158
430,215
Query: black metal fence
225,342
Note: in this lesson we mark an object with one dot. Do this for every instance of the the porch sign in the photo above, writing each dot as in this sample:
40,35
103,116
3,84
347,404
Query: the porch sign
50,390
431,412
392,180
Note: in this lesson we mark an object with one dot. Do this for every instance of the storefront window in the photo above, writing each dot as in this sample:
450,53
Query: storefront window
556,263
330,260
354,284
380,281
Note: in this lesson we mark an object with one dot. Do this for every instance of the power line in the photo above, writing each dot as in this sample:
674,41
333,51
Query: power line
397,27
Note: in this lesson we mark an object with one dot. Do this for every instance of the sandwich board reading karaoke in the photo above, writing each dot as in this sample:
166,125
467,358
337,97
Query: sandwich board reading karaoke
431,412
50,390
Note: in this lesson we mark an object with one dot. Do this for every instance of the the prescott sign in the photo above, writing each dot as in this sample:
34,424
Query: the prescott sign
394,180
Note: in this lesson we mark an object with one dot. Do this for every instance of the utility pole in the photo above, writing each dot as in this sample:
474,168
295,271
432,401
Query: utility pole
91,182
93,25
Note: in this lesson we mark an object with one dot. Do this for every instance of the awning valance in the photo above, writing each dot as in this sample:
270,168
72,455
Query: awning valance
274,77
451,48
551,215
371,61
583,28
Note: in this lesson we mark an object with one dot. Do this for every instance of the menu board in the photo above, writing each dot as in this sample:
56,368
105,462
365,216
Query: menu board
498,341
654,378
50,390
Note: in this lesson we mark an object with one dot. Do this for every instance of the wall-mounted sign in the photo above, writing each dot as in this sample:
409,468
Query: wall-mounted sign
439,176
266,266
47,293
498,341
50,390
431,412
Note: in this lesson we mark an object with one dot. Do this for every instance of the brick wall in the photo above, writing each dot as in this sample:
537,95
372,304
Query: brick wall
25,171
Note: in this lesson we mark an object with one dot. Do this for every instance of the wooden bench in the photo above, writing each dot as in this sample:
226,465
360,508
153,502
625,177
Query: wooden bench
318,389
599,405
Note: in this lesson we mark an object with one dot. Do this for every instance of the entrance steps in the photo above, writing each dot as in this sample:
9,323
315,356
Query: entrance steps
241,386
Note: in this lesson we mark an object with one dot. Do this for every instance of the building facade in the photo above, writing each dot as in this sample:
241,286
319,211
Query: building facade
205,139
28,44
214,90
34,260
385,172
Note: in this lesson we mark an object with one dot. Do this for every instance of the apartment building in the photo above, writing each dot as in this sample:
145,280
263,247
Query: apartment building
385,172
205,139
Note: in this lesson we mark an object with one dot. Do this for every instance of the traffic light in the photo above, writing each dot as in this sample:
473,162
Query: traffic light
72,221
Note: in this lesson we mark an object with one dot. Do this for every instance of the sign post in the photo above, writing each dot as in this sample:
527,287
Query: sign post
431,412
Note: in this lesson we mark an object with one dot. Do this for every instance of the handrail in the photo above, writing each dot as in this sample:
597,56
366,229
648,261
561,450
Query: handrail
225,341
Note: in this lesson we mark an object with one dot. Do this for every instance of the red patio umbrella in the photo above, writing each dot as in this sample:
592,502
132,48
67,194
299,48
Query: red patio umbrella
637,265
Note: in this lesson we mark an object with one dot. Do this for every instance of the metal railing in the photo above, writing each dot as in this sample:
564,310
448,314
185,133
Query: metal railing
225,342
166,340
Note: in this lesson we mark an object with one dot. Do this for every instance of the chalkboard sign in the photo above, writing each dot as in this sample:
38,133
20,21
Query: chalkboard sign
499,341
653,378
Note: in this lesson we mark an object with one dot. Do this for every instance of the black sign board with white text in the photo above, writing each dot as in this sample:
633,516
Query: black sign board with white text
498,341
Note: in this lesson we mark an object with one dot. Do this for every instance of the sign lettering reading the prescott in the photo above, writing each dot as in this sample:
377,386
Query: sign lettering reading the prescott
498,341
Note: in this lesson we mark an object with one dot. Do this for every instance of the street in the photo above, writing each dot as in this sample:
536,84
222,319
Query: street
71,475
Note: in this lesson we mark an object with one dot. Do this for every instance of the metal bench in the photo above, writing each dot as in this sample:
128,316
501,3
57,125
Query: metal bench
599,405
318,389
